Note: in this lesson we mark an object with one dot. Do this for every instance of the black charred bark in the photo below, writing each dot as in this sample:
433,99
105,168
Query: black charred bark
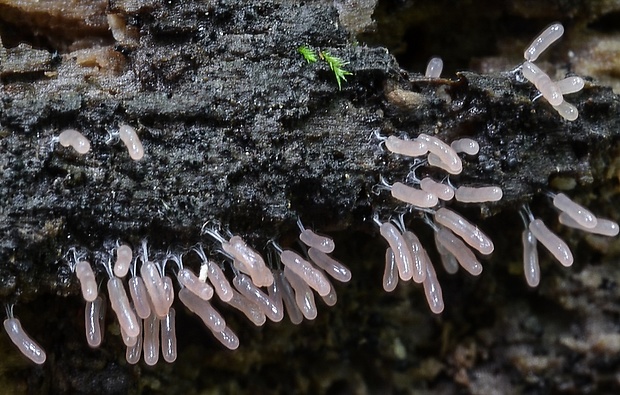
239,128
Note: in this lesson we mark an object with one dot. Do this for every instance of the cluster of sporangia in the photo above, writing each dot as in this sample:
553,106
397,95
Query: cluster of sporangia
81,144
456,239
146,317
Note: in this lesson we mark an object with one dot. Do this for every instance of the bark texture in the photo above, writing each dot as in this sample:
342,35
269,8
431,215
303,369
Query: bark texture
239,128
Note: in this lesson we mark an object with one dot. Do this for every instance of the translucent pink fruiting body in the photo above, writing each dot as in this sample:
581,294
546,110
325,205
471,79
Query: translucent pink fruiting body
547,37
412,148
131,140
531,268
30,348
434,68
552,242
400,248
321,243
468,232
75,139
413,196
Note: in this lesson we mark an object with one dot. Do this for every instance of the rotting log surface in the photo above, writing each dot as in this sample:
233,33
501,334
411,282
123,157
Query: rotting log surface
238,128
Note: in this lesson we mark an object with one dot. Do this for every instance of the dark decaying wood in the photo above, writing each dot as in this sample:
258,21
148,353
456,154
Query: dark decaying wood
238,128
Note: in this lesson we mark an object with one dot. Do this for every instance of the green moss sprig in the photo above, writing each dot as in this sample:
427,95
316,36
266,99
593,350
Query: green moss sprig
308,54
335,63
